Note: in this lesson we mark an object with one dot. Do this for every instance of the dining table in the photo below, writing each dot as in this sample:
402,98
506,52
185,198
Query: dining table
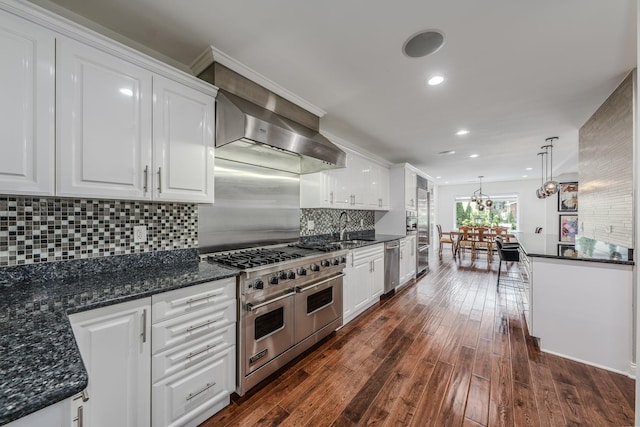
473,235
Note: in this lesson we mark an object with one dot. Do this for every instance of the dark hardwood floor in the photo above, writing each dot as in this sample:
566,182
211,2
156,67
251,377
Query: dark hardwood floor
447,350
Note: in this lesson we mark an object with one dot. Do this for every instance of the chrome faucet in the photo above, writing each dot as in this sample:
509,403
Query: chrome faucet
343,230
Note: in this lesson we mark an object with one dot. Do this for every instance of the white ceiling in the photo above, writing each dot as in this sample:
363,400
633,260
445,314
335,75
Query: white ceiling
516,71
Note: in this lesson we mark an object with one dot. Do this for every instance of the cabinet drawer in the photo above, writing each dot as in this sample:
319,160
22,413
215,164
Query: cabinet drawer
190,397
185,356
193,298
190,327
367,252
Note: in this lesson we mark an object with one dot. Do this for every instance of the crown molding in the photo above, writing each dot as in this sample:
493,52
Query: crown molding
212,54
343,143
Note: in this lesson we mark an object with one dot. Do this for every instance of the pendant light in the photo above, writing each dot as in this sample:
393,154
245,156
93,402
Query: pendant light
551,186
539,192
477,197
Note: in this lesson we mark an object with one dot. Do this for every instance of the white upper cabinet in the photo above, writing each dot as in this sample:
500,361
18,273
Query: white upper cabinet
410,191
183,152
362,184
104,124
127,133
27,121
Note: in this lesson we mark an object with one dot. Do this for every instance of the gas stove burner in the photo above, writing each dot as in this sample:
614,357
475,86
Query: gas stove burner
253,257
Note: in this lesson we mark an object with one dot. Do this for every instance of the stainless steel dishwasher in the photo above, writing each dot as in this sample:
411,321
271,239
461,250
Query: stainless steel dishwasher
391,265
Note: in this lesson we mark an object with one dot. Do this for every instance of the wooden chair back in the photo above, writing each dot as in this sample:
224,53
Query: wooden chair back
439,227
465,232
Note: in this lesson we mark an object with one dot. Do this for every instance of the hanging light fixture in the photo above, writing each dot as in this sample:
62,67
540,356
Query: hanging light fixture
481,200
549,186
539,193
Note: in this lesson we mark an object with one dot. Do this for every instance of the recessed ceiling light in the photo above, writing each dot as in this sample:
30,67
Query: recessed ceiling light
462,132
524,176
446,182
423,43
435,80
473,156
446,153
528,169
438,177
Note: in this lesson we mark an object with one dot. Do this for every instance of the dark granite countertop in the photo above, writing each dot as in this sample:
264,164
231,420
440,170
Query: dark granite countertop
547,246
39,360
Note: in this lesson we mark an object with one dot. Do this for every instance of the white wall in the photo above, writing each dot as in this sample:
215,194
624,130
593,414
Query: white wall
533,211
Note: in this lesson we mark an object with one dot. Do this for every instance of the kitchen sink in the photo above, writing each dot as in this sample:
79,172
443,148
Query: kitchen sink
354,243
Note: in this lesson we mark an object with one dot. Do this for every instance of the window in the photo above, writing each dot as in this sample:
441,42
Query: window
503,213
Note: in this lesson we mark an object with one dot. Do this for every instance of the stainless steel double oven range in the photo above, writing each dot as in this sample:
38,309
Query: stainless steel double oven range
290,298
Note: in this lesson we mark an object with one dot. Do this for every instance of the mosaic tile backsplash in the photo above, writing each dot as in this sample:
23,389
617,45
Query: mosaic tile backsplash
42,229
326,221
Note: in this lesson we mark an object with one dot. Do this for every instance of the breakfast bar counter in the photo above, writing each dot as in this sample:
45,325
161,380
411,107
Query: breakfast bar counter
581,307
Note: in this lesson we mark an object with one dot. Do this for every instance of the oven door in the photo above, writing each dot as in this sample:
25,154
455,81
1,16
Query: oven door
268,330
317,305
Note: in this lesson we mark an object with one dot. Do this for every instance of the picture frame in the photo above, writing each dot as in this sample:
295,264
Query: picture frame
568,228
568,197
567,250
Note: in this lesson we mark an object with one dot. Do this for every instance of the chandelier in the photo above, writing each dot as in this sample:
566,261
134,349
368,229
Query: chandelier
548,187
481,200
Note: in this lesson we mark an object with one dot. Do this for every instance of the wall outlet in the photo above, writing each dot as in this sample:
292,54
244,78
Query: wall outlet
139,233
311,225
361,222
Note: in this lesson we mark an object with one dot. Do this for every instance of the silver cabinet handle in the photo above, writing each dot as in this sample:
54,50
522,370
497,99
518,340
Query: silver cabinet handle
205,388
252,307
301,290
143,334
159,180
202,325
331,197
373,266
146,178
195,353
79,416
192,300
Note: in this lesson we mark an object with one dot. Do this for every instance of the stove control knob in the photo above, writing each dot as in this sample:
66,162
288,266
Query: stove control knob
314,267
273,280
325,263
291,275
343,260
302,271
336,261
283,275
258,284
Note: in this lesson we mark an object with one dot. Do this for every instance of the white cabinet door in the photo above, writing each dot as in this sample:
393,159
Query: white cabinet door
183,142
411,251
27,121
361,284
348,285
377,276
115,344
410,183
103,124
383,188
403,260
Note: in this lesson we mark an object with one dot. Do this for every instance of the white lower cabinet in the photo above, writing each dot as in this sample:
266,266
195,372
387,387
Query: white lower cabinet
364,280
407,259
115,344
167,360
194,342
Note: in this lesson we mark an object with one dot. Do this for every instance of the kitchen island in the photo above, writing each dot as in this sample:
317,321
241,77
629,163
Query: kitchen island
581,307
39,358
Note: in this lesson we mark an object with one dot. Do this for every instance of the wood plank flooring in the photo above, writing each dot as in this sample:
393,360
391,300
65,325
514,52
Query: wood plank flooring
448,350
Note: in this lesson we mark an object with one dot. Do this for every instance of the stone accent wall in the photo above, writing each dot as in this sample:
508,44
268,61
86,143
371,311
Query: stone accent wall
605,169
41,229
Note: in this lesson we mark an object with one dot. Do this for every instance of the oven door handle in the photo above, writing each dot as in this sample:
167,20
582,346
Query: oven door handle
301,290
252,307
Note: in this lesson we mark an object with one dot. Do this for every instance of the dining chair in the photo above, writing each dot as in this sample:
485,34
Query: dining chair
483,242
464,240
444,238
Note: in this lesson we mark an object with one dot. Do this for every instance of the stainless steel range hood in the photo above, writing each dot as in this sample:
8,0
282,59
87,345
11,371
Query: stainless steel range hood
248,133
